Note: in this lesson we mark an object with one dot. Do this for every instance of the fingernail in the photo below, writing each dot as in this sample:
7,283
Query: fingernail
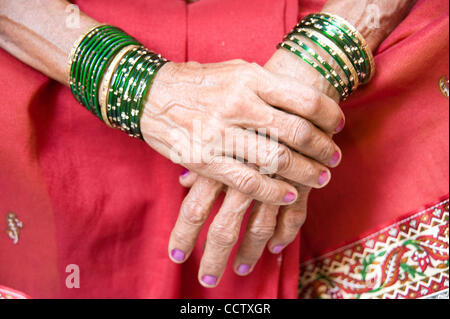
335,159
290,197
209,280
277,249
341,126
185,173
323,178
243,269
178,255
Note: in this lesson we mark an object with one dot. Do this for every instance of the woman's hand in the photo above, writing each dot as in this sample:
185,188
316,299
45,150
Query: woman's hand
266,226
193,108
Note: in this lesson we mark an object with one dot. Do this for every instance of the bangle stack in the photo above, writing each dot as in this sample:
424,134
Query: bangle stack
110,73
339,39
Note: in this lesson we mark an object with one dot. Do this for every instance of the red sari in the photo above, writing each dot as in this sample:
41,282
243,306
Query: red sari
74,192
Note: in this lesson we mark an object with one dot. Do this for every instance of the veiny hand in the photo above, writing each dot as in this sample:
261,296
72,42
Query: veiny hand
233,97
263,226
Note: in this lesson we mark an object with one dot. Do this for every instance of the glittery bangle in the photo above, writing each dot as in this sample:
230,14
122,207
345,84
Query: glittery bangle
316,66
351,30
103,95
344,35
110,73
334,51
343,87
76,47
341,40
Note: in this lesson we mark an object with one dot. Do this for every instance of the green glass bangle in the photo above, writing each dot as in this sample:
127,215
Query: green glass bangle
104,52
88,54
75,61
363,57
348,48
134,105
126,98
353,51
137,84
100,67
146,81
147,87
127,101
353,80
123,91
318,68
88,66
336,35
357,38
344,87
78,64
112,91
119,89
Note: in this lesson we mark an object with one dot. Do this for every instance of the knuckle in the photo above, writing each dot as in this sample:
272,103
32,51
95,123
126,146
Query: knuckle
238,61
261,233
315,104
181,238
283,157
313,99
245,73
247,182
193,213
326,151
309,171
294,222
300,132
220,236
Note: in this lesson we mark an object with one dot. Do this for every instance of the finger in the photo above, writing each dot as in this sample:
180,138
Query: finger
222,236
296,132
291,95
273,157
307,139
187,178
247,180
260,229
193,213
291,218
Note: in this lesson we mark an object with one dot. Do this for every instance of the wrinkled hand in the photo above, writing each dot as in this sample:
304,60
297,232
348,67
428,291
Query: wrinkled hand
262,226
233,97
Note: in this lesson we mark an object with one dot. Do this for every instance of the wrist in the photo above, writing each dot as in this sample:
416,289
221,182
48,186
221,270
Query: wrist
374,19
283,62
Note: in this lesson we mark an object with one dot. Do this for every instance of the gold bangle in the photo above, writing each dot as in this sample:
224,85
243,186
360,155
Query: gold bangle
338,51
106,81
75,47
363,42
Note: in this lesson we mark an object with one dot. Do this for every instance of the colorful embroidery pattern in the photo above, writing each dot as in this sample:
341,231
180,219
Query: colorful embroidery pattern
407,260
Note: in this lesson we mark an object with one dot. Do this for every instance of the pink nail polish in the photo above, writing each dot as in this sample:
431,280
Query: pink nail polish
290,197
323,178
209,280
178,255
341,126
243,269
335,159
277,249
185,173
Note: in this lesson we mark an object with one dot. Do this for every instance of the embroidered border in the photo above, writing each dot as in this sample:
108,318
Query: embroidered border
408,259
